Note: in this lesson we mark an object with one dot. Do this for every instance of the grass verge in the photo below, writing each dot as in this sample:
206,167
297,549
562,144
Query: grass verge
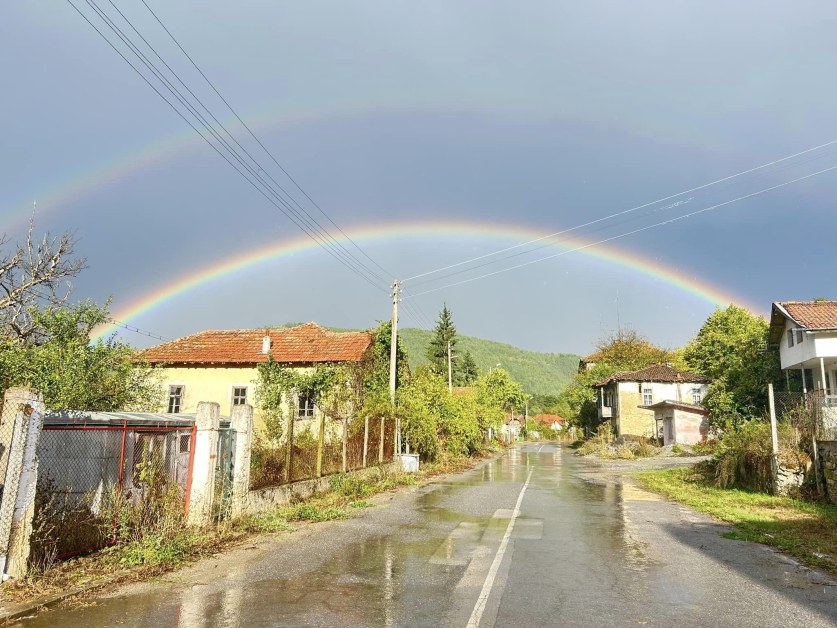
805,530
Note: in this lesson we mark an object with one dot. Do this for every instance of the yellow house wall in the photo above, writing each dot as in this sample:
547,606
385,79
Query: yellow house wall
215,384
211,384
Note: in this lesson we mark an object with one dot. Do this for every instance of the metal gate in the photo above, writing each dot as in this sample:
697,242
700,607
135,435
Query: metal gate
222,499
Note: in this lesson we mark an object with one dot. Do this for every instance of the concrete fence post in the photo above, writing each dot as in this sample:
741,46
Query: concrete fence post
207,423
17,509
241,423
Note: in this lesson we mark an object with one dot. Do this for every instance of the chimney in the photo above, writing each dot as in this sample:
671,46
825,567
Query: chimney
266,345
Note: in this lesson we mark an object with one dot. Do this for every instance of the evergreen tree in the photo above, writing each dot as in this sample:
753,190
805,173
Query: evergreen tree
437,350
468,371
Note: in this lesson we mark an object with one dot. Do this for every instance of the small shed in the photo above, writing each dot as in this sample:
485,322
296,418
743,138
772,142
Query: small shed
679,422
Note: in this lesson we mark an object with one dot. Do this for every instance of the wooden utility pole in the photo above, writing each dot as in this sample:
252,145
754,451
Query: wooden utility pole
393,354
774,438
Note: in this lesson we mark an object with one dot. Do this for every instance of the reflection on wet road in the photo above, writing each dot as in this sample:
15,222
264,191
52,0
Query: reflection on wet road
585,549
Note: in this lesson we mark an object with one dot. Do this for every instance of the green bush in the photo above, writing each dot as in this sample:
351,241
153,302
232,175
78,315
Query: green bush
743,457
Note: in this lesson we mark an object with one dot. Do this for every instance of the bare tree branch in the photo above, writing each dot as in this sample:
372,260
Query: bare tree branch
35,274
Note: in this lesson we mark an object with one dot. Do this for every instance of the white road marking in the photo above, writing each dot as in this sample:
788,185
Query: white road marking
476,614
542,446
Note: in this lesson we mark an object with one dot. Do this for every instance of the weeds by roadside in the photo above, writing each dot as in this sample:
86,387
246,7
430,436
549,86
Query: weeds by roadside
800,528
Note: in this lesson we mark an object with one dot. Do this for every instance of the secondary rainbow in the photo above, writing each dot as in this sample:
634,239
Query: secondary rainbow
693,285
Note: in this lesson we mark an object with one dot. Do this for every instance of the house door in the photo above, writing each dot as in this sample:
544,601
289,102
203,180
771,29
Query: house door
668,430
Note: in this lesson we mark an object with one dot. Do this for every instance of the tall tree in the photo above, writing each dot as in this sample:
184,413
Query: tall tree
437,350
731,348
467,371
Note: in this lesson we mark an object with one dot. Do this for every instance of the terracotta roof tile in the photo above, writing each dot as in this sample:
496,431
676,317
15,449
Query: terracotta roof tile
655,373
812,314
304,344
549,419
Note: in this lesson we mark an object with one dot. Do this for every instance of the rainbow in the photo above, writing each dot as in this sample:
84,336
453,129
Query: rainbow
79,184
190,280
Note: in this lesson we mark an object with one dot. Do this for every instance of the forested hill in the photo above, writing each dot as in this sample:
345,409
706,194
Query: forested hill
538,373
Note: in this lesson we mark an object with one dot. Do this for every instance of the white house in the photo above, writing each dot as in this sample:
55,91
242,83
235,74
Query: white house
806,334
628,398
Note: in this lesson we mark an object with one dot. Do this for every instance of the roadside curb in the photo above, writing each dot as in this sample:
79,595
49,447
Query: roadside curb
24,609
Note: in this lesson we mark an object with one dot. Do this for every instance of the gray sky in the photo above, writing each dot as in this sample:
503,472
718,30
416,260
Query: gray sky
505,118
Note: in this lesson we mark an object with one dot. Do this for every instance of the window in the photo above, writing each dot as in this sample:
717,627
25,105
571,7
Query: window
305,406
239,395
647,396
800,336
184,443
790,338
175,399
697,396
608,399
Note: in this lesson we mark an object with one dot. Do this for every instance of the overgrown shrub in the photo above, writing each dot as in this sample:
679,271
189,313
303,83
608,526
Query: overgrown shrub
743,457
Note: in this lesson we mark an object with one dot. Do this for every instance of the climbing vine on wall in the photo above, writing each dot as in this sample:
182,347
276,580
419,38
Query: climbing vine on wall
279,386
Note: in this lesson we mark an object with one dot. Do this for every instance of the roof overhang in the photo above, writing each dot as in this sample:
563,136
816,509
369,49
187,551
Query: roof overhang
676,405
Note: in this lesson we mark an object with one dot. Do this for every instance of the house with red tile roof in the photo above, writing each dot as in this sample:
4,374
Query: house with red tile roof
805,333
221,365
628,399
552,421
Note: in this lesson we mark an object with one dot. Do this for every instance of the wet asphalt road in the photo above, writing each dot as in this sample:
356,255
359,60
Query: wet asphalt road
535,538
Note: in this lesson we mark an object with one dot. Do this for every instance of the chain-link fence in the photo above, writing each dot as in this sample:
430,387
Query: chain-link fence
304,456
11,460
812,413
100,481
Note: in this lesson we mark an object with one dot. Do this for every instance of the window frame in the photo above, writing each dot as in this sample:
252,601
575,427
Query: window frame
306,412
180,397
607,400
697,396
647,394
800,335
233,389
790,338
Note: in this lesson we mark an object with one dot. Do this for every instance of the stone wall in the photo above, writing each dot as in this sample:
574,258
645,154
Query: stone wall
828,464
633,420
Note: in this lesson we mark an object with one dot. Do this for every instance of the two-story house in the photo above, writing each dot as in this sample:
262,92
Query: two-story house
221,365
806,334
626,398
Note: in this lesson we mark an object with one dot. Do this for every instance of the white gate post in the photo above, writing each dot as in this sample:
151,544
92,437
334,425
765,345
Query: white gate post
205,457
241,423
17,510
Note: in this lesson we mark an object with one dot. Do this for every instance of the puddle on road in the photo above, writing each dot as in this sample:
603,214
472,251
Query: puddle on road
388,580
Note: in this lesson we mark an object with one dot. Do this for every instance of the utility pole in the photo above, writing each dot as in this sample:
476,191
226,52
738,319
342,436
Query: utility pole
396,287
450,371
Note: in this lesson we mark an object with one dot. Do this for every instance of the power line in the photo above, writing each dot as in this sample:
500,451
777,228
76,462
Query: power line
255,137
628,233
317,226
626,211
552,243
326,239
297,219
137,330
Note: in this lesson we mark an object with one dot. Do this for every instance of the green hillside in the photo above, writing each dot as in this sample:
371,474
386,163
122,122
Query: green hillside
538,373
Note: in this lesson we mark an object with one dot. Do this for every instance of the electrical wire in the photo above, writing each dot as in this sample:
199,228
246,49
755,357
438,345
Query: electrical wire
260,143
628,233
298,221
256,165
325,239
626,211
